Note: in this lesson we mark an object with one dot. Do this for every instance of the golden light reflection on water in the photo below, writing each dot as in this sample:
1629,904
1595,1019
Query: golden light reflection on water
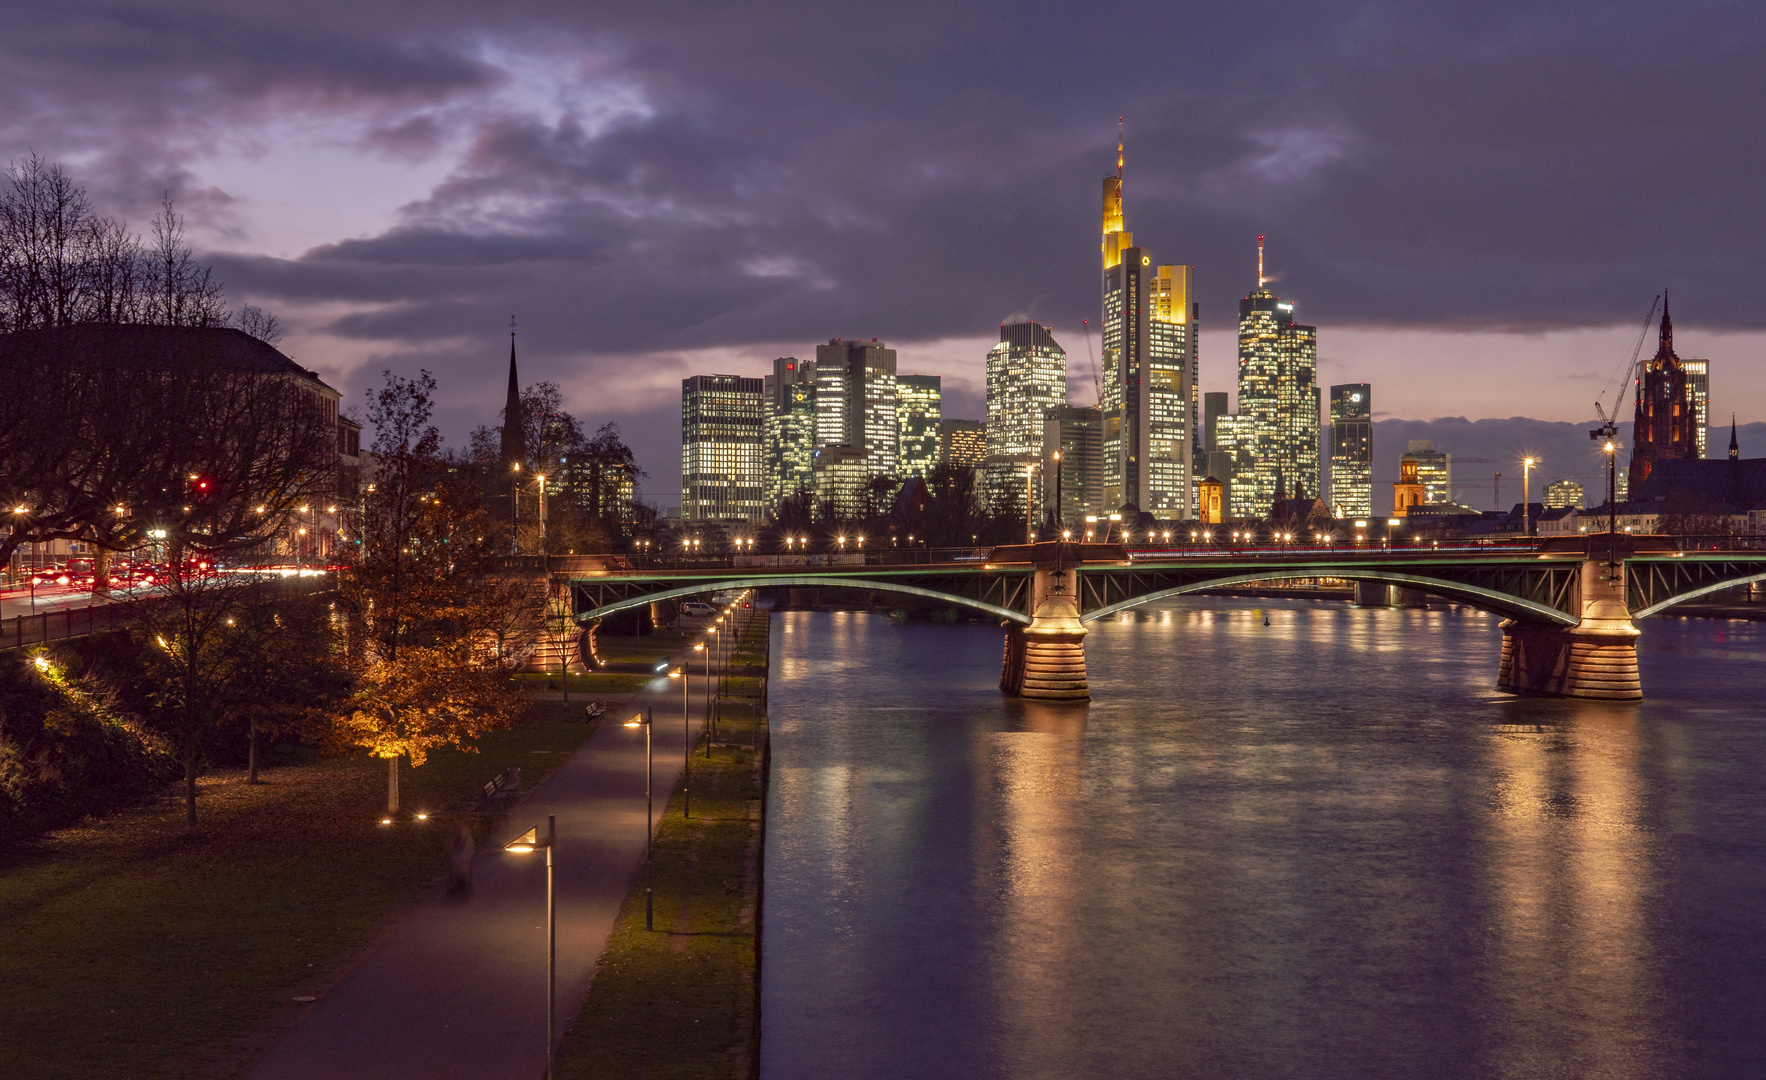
1035,770
1571,879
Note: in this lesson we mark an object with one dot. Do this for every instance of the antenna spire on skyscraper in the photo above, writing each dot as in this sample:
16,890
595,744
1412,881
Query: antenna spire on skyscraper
1260,262
1119,148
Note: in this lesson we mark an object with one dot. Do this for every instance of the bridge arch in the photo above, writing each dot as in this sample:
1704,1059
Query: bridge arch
772,581
1694,594
1491,600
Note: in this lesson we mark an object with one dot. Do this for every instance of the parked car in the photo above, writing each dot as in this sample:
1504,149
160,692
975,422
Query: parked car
697,607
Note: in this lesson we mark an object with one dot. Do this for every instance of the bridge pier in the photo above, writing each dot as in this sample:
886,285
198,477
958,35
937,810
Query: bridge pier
1596,658
1046,660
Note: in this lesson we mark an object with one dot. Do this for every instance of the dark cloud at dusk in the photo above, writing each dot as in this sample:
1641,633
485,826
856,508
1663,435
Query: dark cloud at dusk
656,189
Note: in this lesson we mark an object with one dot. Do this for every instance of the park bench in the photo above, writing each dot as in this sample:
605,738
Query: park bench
502,786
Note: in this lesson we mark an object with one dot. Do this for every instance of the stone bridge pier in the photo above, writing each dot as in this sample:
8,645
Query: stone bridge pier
1596,658
1046,659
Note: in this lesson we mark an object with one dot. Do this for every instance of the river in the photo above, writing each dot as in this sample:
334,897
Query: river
1324,847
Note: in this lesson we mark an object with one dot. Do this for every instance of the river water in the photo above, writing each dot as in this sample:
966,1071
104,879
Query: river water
1319,848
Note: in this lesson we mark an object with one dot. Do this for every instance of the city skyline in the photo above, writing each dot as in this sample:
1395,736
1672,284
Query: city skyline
397,195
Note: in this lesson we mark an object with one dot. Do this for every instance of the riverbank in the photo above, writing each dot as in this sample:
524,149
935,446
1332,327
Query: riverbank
682,999
137,950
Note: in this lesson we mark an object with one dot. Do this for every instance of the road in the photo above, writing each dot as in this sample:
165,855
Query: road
456,991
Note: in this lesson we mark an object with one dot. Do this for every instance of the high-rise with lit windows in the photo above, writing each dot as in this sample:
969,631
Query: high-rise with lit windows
1278,390
1352,450
722,448
918,410
1026,377
856,402
1150,356
790,431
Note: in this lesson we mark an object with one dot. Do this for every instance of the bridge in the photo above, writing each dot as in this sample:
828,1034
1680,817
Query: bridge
1569,618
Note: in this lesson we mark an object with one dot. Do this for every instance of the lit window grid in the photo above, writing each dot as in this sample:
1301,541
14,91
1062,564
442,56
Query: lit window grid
1022,385
1563,494
918,412
722,448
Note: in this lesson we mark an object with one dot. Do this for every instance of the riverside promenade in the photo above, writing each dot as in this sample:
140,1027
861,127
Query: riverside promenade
457,990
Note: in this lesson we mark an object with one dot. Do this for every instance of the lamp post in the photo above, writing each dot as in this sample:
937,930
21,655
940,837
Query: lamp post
1612,452
1029,501
1060,510
687,737
523,845
515,511
710,730
540,484
643,720
1526,511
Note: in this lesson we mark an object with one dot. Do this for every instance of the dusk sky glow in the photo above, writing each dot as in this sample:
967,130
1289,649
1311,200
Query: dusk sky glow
1475,203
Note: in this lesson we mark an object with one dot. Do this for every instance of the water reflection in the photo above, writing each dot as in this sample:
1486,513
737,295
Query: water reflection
1322,847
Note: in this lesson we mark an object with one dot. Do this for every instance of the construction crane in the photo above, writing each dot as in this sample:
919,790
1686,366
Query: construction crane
1608,431
1096,383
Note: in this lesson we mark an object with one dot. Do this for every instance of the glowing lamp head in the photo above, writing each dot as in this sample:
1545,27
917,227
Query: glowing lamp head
526,842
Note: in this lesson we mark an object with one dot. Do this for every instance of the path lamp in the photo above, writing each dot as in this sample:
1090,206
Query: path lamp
515,514
709,731
687,738
643,720
525,845
1526,511
1392,524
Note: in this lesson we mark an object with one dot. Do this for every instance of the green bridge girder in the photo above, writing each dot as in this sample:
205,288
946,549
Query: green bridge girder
1523,586
1656,582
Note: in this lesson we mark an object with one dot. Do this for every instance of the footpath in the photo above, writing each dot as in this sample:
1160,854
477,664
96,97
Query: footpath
457,989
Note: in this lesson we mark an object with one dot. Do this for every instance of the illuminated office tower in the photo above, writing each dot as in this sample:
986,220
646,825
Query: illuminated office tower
790,430
1235,444
856,402
1352,451
1698,388
1026,377
962,444
1150,356
1076,432
917,409
1278,391
1564,493
722,448
1434,470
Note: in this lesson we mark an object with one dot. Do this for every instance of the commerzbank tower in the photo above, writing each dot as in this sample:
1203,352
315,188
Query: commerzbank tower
1150,368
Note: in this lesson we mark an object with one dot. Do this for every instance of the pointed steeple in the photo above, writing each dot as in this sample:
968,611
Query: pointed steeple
514,438
1734,447
1665,348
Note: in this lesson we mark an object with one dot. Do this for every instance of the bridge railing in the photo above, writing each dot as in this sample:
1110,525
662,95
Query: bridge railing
45,626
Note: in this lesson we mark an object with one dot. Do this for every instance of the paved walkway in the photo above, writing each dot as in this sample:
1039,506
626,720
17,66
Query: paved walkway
457,991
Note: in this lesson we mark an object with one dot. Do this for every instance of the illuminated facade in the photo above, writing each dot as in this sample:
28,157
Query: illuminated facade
1698,388
856,401
1434,470
918,405
842,474
1407,490
962,444
1352,450
1564,494
1662,428
1026,377
1236,438
1150,361
1278,391
1077,433
790,430
722,448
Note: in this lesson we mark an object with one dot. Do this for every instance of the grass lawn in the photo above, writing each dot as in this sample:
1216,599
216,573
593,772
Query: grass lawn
135,950
592,684
679,1001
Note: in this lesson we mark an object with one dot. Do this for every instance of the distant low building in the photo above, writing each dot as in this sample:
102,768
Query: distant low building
1564,493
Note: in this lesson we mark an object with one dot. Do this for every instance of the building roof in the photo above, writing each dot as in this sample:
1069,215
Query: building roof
1739,482
127,345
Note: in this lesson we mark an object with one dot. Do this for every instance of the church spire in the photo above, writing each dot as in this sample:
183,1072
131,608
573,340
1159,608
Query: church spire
514,438
1666,346
1734,447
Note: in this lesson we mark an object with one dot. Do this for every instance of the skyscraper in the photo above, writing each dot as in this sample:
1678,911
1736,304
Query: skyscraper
1026,377
1076,432
722,448
1352,450
962,444
1434,470
856,402
1278,391
1149,368
918,405
1563,493
790,430
1662,426
1698,388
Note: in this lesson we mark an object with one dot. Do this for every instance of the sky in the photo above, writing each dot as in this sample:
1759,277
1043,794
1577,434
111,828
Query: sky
1476,203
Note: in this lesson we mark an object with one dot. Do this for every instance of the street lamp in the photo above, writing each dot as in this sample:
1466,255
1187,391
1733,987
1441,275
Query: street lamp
710,730
687,738
643,720
515,511
524,845
1391,524
1526,511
